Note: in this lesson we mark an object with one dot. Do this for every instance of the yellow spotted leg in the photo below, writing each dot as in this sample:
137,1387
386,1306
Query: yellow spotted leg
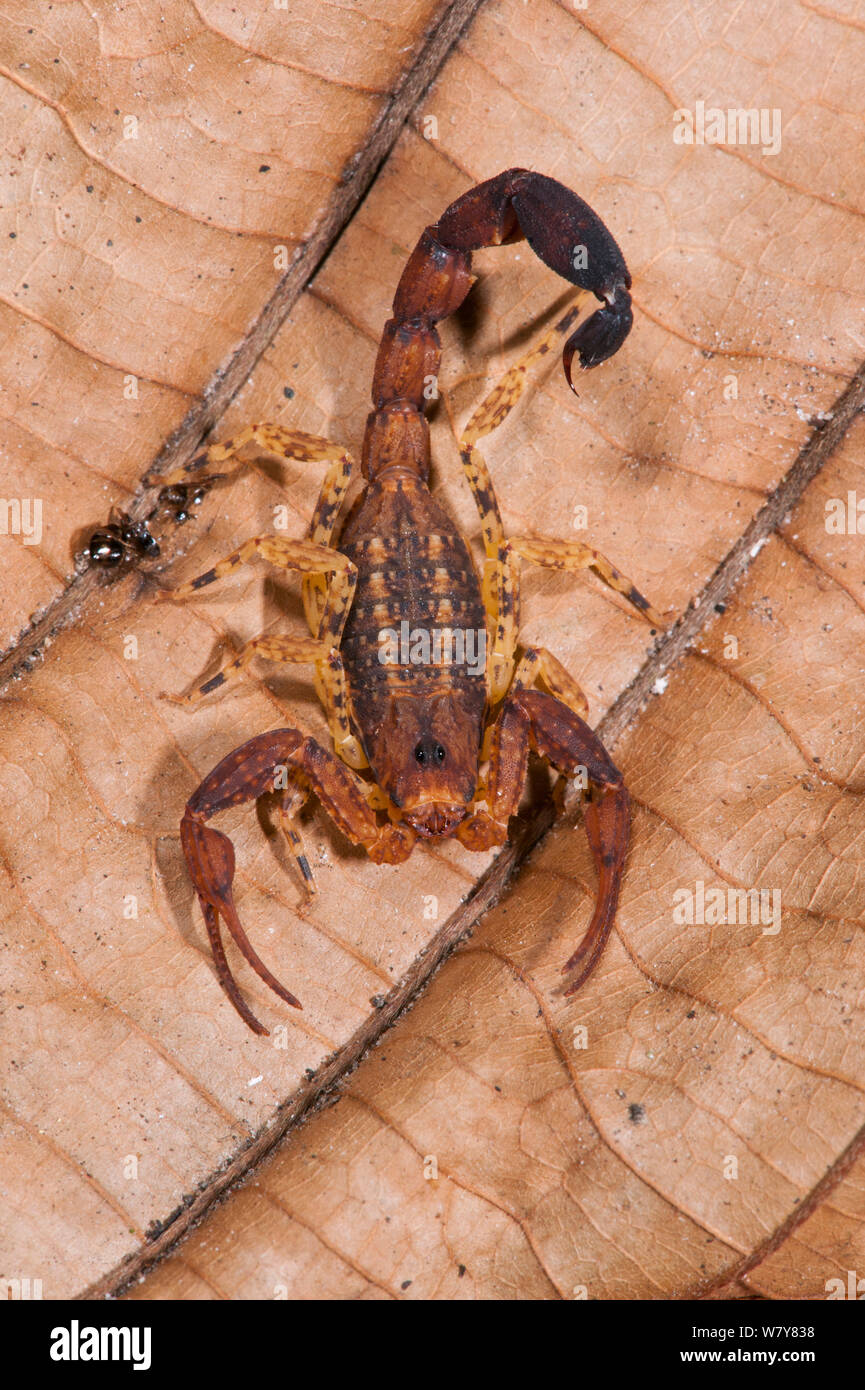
500,584
323,649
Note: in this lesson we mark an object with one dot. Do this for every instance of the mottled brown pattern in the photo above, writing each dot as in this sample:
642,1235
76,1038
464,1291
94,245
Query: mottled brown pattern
424,589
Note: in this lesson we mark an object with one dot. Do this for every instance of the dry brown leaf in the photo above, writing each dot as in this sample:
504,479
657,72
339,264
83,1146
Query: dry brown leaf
156,177
565,1162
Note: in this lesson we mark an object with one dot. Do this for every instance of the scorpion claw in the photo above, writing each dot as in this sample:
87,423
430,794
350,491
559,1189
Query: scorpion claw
223,970
533,718
210,859
607,820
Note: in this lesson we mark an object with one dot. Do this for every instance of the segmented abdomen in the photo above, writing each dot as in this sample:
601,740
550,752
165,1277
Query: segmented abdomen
415,577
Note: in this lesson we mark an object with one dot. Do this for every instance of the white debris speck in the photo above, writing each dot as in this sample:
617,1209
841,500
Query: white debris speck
253,1081
755,549
660,685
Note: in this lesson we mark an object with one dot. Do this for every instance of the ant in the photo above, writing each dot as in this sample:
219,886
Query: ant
124,540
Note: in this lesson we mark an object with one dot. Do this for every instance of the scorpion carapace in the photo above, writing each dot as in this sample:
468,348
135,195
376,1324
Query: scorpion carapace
432,705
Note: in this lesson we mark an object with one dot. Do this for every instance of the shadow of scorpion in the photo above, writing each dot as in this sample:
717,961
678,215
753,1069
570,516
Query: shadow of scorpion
411,736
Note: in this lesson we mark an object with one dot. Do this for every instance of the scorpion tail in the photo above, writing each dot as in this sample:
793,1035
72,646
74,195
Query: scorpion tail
562,230
600,336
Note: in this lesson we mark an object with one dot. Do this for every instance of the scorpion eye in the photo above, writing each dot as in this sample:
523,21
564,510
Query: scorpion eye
429,753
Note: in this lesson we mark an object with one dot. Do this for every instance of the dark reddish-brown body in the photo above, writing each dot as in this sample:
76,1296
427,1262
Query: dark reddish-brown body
414,568
410,738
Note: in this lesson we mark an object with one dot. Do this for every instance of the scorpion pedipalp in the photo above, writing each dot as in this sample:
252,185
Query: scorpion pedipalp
264,763
531,720
210,860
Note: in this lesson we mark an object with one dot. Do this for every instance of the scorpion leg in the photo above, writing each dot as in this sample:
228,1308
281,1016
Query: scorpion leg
315,560
500,585
537,664
276,649
533,720
487,417
286,444
292,802
289,445
574,555
290,805
501,569
272,761
501,593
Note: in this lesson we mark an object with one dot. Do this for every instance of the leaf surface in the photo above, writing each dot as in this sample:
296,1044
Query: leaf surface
691,1122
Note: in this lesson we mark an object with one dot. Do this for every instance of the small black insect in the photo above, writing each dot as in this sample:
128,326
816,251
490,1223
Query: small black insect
121,540
180,497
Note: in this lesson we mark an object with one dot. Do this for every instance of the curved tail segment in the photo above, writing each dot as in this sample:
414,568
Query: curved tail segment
562,230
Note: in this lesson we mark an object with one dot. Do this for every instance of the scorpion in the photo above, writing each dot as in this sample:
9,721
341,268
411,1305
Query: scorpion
440,748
